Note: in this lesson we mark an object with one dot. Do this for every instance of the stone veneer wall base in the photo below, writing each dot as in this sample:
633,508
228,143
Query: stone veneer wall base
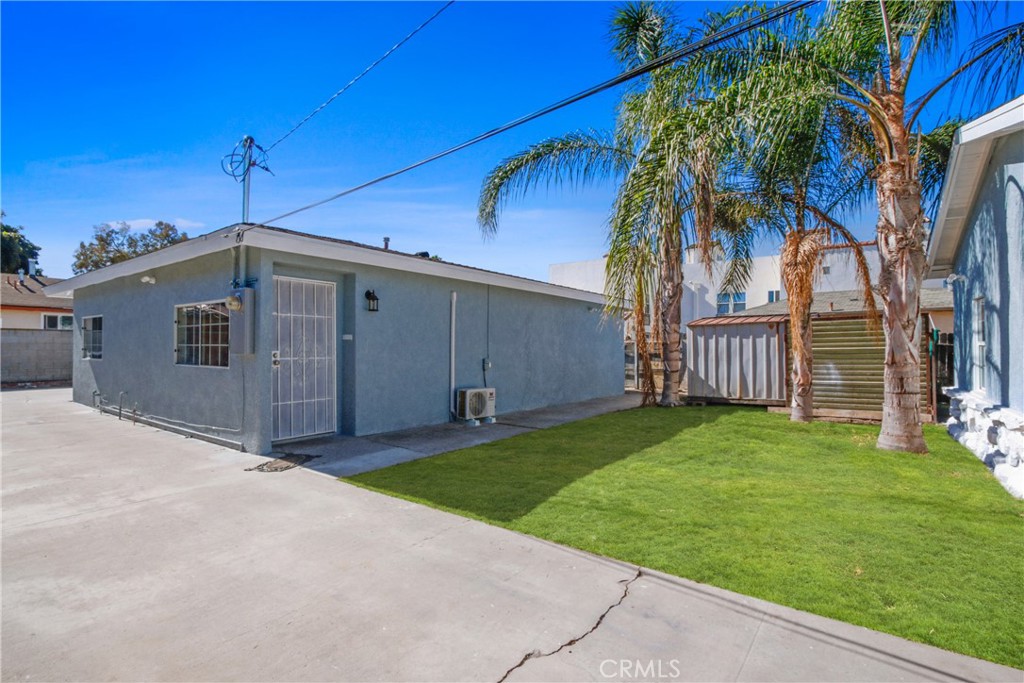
993,433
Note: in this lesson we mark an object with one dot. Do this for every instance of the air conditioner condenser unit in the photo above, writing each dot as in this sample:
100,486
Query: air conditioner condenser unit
475,404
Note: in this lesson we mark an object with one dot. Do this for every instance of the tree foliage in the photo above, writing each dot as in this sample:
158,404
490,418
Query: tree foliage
17,250
113,244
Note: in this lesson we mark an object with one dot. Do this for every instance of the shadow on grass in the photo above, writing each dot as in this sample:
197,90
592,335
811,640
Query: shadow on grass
505,480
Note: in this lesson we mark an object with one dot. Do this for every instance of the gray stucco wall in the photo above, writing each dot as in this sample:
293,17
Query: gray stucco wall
392,374
138,354
35,355
991,257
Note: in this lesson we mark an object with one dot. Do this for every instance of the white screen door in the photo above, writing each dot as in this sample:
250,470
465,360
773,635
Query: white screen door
304,385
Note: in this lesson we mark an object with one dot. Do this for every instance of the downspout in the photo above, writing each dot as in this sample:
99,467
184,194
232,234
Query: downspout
239,266
451,358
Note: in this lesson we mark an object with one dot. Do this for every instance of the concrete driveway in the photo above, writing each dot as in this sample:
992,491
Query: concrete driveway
135,554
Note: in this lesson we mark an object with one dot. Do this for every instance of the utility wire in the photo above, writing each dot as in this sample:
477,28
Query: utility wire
365,71
685,51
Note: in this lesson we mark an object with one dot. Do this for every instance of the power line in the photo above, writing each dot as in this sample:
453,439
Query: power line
685,51
365,71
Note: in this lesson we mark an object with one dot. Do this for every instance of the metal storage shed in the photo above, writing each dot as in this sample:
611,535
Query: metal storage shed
740,358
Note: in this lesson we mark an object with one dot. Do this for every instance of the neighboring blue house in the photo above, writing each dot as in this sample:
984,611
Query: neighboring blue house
978,246
253,335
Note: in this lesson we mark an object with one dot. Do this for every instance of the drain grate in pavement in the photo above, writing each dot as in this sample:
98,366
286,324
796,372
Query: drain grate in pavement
285,462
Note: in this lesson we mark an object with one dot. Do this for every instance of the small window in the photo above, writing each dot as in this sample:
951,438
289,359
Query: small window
58,322
979,344
92,337
201,335
723,304
731,303
774,295
825,270
739,302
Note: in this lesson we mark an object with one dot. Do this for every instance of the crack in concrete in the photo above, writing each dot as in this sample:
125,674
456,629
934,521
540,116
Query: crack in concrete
750,648
537,654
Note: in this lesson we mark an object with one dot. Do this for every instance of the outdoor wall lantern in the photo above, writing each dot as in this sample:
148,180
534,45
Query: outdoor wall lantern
372,302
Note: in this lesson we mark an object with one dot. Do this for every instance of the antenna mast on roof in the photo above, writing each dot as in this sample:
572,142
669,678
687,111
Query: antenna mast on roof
246,155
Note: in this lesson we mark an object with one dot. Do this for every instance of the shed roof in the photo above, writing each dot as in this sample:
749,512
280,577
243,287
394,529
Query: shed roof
30,294
844,303
738,320
291,241
972,147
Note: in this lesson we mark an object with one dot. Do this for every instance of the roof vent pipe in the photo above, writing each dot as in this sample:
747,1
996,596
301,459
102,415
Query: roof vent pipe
387,243
21,275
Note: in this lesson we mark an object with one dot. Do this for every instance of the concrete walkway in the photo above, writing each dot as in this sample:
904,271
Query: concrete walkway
133,554
345,456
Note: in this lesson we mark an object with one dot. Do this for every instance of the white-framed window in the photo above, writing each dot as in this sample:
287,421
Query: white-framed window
978,357
92,337
201,334
774,295
56,321
731,303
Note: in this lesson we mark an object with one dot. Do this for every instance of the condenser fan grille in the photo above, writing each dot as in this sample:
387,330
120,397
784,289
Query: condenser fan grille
477,404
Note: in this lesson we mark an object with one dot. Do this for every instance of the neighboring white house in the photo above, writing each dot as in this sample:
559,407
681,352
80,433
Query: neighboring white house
701,295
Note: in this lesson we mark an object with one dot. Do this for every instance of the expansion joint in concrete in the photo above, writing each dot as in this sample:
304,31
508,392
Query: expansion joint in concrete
537,654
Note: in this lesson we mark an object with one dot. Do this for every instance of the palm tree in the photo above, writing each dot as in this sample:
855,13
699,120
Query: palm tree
861,57
663,151
791,191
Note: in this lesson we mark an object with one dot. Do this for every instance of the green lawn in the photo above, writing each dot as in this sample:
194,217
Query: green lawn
929,547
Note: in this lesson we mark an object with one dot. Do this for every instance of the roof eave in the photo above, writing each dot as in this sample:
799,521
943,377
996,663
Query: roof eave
195,247
963,177
311,245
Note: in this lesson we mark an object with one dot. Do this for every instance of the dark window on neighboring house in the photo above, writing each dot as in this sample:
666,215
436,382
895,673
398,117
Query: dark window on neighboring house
731,303
58,322
201,335
92,337
774,295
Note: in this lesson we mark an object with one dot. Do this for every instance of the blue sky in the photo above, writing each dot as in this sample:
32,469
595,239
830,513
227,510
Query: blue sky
122,112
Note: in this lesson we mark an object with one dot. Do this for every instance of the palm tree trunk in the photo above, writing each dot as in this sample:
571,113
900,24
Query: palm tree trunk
671,286
802,405
901,249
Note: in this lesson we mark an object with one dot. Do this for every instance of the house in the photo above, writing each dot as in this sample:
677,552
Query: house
253,335
35,330
744,357
701,296
978,246
25,306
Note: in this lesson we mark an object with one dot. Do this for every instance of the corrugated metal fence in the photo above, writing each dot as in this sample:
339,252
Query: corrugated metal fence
849,367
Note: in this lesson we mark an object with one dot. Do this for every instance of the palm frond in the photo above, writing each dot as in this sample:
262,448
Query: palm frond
574,159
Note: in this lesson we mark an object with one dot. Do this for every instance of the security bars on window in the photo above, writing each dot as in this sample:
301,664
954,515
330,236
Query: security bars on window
202,335
92,337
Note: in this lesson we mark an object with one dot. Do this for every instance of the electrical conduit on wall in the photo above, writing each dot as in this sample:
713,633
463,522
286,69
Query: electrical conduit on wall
451,358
